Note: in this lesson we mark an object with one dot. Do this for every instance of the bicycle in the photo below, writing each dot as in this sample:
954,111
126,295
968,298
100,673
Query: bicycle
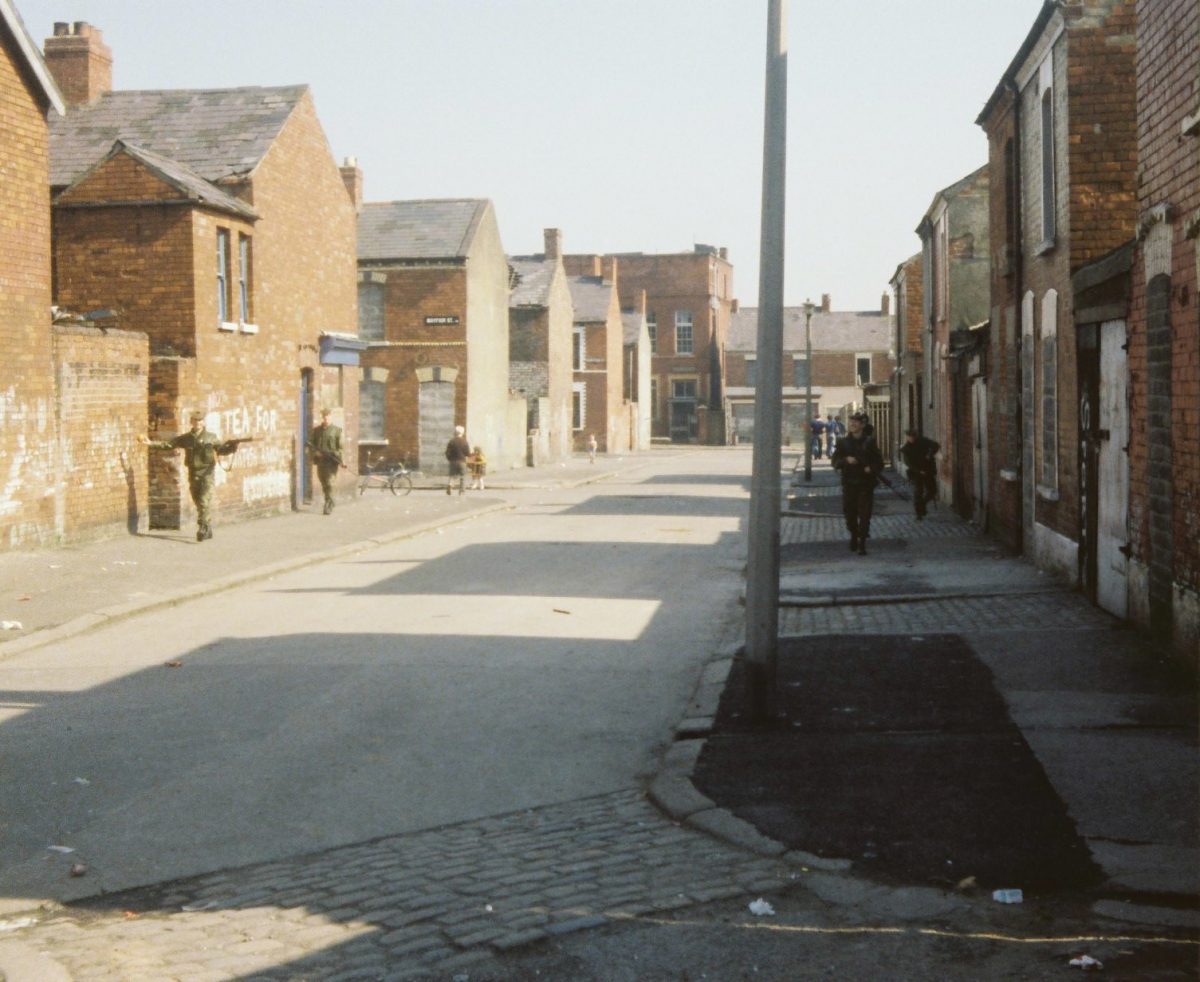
386,476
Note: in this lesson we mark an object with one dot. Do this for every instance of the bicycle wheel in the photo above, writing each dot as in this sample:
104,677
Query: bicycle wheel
400,483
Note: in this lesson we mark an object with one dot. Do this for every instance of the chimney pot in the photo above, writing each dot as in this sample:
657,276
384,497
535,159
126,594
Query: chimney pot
553,243
885,304
80,62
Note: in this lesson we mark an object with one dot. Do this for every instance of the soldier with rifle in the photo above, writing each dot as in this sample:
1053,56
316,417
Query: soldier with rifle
326,446
201,450
858,460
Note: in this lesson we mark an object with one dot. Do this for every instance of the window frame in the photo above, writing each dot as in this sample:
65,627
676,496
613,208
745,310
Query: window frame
223,249
1047,151
365,386
652,330
244,272
797,382
578,406
578,348
684,319
860,380
372,286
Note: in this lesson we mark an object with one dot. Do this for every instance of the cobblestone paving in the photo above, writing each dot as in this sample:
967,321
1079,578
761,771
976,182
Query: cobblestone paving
1059,609
408,906
794,530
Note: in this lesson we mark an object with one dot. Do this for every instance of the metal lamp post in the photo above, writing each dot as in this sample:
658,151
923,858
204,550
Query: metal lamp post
808,433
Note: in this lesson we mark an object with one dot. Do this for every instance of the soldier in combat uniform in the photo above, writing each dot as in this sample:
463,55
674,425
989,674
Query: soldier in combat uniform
326,445
201,449
858,460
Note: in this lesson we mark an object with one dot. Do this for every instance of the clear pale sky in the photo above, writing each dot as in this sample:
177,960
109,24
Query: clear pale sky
632,125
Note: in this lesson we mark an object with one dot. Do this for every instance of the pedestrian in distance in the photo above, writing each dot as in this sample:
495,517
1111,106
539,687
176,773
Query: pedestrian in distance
592,447
200,452
478,464
918,453
817,426
325,442
457,452
858,460
833,430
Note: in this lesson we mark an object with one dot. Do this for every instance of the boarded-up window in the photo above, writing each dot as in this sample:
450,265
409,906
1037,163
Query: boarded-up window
801,373
1049,395
371,413
370,311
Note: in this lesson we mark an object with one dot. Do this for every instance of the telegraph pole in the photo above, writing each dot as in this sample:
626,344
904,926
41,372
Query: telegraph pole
762,568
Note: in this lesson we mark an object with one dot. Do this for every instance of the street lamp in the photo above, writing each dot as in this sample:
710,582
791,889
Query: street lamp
807,429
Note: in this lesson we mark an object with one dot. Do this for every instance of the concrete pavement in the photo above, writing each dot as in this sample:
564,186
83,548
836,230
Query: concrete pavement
1111,721
58,593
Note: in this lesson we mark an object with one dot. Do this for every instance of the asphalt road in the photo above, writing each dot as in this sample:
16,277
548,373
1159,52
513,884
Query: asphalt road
523,658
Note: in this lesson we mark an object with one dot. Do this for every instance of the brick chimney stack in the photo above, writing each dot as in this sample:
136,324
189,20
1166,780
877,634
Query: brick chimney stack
608,271
352,177
553,239
826,303
885,304
80,62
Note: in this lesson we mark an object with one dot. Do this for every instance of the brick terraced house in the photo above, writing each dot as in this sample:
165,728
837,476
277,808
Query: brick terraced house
689,300
908,383
27,94
1063,159
191,216
851,350
636,372
72,396
598,407
433,285
540,320
1164,331
954,263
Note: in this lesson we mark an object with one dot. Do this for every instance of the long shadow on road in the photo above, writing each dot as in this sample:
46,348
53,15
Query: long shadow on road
899,754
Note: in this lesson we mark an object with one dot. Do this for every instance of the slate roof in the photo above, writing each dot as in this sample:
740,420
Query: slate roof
534,275
32,55
187,181
432,229
216,133
591,297
851,330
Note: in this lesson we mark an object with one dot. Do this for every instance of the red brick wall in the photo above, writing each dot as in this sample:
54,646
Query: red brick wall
137,260
682,281
1004,383
26,437
305,282
411,294
101,411
1168,90
1101,128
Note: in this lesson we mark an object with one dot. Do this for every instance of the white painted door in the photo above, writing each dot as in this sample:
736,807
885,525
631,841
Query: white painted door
1113,478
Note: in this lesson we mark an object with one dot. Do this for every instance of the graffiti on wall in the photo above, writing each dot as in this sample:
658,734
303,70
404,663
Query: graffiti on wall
270,461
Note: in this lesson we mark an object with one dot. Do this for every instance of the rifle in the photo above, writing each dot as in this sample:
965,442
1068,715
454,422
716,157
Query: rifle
891,487
329,455
227,447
